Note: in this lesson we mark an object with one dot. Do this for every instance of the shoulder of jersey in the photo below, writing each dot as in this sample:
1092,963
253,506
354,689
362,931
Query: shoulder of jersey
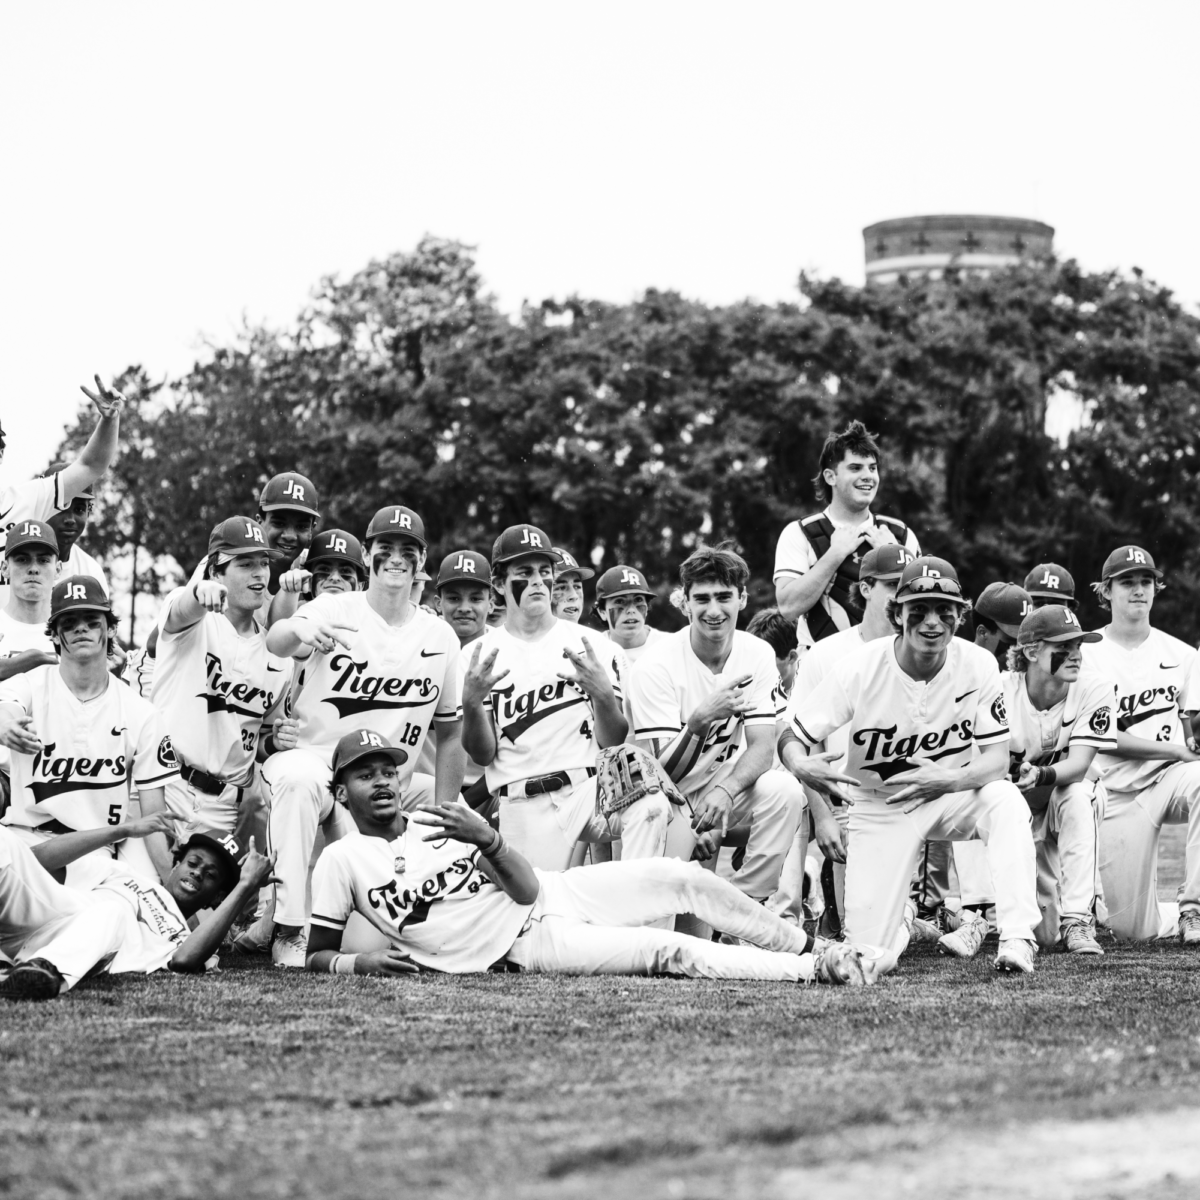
747,643
1176,646
977,656
664,648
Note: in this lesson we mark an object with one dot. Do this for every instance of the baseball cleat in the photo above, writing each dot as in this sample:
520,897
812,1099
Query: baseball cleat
1016,955
840,964
964,942
1077,938
37,979
924,928
1189,927
290,950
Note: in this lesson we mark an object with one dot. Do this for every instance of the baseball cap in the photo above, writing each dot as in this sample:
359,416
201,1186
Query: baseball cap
1049,581
289,490
1126,559
360,743
336,545
395,518
621,581
240,535
224,846
1053,623
1006,604
884,562
78,593
464,566
928,578
31,533
568,563
520,541
55,467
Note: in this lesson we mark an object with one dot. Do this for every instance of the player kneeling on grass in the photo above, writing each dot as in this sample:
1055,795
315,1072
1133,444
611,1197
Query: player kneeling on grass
110,919
451,895
927,759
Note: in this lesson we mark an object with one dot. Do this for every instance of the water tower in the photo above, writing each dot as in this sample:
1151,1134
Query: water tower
927,247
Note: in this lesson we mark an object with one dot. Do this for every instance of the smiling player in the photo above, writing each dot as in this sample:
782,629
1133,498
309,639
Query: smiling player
927,759
1152,778
364,659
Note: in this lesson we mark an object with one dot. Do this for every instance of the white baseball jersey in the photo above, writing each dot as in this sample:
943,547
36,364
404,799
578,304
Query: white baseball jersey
1150,683
394,680
633,653
159,928
795,556
215,689
542,723
427,763
92,752
814,666
670,683
430,899
1084,717
15,638
80,562
897,722
33,500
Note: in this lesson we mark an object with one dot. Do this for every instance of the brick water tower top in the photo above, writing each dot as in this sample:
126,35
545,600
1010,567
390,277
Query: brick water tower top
929,246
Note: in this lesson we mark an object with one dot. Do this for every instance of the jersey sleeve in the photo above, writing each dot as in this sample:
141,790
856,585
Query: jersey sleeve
332,890
653,701
37,499
829,706
761,691
1095,724
164,613
154,762
280,700
18,689
449,707
991,715
793,553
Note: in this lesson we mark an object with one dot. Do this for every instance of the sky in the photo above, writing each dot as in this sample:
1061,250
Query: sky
171,169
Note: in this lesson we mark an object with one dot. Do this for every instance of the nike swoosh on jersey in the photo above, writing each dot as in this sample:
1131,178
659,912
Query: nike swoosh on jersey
1167,666
117,732
957,699
1071,721
431,653
220,704
1124,723
351,706
514,731
277,670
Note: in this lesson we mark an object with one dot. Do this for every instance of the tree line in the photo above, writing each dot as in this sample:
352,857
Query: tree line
633,432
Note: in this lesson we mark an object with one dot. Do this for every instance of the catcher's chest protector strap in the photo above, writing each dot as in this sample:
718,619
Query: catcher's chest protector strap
819,531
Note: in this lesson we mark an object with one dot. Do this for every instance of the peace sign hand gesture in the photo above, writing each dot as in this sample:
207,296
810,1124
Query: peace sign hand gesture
109,401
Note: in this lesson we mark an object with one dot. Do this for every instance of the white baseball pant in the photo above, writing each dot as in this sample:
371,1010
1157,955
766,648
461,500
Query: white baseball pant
199,812
131,854
772,807
886,841
545,828
592,921
1129,837
296,784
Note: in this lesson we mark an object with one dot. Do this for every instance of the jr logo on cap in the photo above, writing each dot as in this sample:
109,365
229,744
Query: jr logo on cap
529,538
1026,608
1048,580
337,545
370,739
632,577
76,591
401,519
930,572
1135,555
253,532
31,530
464,564
1070,618
294,489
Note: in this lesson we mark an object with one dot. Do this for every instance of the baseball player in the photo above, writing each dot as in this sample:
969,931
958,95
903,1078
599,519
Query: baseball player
538,704
215,683
451,894
927,760
333,562
879,574
623,602
80,738
111,919
816,560
363,659
31,559
566,601
702,704
1152,779
288,511
1059,718
40,499
998,614
69,525
1048,583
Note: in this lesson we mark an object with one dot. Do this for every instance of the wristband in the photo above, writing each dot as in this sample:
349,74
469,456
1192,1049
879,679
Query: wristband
495,844
269,744
1046,776
724,789
343,964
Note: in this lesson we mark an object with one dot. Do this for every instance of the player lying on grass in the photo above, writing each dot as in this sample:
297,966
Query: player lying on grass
110,919
451,895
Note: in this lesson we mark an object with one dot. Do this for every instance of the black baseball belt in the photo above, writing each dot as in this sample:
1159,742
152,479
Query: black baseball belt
538,785
202,781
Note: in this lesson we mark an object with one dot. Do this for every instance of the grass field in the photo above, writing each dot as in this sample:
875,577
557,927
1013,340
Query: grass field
944,1080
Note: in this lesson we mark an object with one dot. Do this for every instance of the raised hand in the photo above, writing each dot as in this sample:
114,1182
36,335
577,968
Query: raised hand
143,827
480,678
109,401
320,634
257,869
17,731
729,700
455,821
590,676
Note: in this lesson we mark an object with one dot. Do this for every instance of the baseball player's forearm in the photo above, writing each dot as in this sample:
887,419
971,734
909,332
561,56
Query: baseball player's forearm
796,594
203,942
450,763
478,735
94,459
151,801
283,606
185,610
509,871
1144,750
64,848
745,770
611,726
992,764
282,639
1075,766
26,660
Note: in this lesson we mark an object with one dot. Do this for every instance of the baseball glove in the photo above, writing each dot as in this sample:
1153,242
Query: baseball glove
624,774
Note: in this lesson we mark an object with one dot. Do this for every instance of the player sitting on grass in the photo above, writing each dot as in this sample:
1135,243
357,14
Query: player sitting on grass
450,894
110,919
927,759
1152,779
